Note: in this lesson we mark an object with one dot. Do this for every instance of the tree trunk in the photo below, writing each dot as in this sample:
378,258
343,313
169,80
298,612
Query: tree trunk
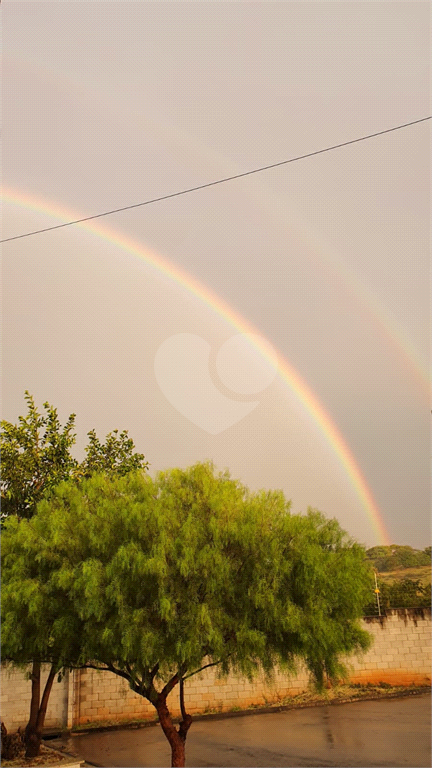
176,738
38,708
30,736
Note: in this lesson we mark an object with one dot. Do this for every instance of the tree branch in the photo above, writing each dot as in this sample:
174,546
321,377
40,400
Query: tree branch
169,686
45,696
141,689
186,720
182,704
137,684
213,664
106,668
154,671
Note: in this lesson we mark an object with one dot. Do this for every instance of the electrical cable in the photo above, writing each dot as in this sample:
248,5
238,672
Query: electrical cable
213,183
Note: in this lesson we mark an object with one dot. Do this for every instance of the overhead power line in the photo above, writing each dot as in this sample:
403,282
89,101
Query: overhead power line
213,183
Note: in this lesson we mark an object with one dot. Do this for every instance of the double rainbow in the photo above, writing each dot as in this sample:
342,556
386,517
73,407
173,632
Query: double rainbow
204,294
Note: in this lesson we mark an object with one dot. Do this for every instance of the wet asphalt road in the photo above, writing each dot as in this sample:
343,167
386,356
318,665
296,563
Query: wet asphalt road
386,732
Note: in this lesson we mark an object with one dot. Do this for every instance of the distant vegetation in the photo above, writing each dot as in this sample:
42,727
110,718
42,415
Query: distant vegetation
406,593
395,557
403,575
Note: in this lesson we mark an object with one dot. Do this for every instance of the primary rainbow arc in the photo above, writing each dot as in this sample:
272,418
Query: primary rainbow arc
202,292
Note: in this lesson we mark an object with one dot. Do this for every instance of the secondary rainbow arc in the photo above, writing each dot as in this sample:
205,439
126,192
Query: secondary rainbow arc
287,372
270,202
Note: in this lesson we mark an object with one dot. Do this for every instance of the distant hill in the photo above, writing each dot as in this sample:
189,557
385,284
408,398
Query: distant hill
395,558
422,573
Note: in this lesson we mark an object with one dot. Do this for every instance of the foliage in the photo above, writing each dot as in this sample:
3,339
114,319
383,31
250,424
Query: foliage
115,456
36,456
393,557
190,569
38,624
399,590
407,593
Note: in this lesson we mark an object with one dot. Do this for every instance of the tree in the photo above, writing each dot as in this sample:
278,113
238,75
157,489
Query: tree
38,626
115,457
169,576
406,593
36,457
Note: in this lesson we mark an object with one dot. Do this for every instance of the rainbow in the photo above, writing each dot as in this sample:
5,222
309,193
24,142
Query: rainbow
272,203
216,303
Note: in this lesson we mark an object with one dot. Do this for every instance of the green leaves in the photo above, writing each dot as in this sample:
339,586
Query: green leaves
51,567
115,456
36,457
181,570
406,593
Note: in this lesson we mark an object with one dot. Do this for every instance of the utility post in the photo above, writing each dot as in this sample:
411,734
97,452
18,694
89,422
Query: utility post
377,592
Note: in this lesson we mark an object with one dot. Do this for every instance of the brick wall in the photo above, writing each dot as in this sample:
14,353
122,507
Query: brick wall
105,696
401,651
16,696
400,654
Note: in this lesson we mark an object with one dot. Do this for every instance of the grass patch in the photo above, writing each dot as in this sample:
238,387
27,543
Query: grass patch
421,573
349,692
101,724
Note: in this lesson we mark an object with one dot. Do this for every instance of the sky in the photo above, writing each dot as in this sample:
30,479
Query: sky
140,322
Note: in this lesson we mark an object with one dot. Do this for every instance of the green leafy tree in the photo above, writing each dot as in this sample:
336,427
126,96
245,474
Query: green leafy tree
35,458
48,632
114,457
169,576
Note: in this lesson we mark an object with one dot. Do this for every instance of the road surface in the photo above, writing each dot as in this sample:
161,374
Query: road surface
385,732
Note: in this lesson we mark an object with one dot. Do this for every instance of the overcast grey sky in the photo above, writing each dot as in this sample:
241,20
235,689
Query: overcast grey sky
107,104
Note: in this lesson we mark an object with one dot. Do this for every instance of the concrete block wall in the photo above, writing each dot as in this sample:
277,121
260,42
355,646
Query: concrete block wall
400,655
207,692
401,651
104,696
16,697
